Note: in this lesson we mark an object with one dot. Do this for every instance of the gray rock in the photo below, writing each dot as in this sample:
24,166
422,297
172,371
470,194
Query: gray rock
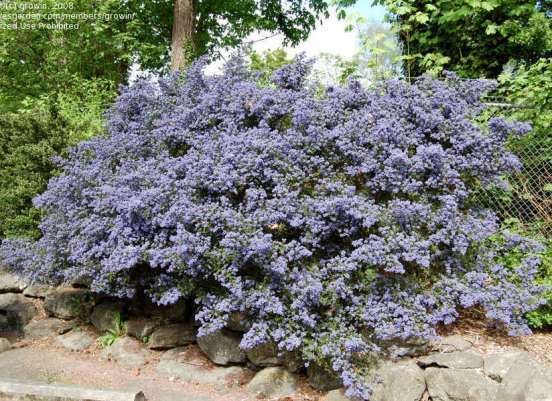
460,385
225,376
292,361
497,365
264,355
141,328
47,328
69,303
272,383
167,314
222,347
399,348
18,310
80,282
181,354
126,351
335,395
4,345
181,363
323,379
537,388
75,340
37,291
11,283
399,382
238,322
455,360
526,380
171,336
106,316
453,343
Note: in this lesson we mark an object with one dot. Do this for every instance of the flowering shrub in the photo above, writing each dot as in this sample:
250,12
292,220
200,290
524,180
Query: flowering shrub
334,223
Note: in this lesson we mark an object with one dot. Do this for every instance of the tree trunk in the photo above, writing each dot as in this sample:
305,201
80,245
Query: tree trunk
182,34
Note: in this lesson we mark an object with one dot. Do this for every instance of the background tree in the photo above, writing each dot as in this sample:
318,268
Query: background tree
182,33
471,37
106,49
41,129
333,69
35,62
379,54
206,26
29,140
268,62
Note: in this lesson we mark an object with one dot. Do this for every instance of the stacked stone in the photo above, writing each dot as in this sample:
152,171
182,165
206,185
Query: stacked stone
448,371
16,309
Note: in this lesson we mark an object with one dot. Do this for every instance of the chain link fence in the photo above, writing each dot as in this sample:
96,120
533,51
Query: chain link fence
528,197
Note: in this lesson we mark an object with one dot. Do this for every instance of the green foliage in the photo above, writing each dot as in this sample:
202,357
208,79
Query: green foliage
28,140
221,24
148,34
107,339
529,89
331,69
379,54
118,330
267,63
30,137
471,37
541,317
37,61
55,86
81,105
106,48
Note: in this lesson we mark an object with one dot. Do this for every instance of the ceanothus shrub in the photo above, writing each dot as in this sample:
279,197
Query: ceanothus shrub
335,223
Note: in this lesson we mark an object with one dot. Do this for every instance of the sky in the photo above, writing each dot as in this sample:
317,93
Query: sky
330,36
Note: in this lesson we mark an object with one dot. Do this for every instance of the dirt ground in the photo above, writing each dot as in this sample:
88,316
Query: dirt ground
44,361
486,340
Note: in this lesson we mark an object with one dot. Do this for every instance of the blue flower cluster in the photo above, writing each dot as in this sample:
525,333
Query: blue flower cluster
334,223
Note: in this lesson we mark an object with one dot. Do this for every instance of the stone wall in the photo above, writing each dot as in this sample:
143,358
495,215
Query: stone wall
450,370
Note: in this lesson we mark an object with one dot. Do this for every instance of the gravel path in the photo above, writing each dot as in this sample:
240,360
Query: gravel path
47,363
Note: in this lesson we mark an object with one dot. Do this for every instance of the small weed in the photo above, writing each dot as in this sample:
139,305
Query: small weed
118,330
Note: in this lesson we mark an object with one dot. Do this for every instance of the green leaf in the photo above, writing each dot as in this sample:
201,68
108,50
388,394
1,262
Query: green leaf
491,29
420,17
403,10
485,5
